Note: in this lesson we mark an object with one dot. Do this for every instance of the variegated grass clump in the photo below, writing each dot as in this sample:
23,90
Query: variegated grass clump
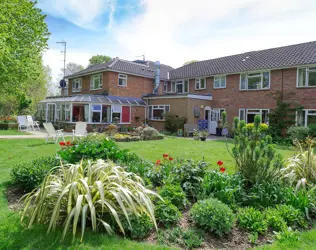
79,196
300,169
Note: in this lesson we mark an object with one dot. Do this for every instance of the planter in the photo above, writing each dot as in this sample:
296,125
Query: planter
203,138
219,131
6,126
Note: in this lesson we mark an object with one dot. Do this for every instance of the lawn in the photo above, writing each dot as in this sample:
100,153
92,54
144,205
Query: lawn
14,236
13,132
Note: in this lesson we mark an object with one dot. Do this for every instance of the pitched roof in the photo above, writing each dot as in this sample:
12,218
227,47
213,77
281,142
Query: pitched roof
287,56
142,68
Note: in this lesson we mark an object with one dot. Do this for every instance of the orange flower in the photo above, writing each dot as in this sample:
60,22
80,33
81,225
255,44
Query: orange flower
62,143
222,169
170,158
68,143
165,155
220,163
158,162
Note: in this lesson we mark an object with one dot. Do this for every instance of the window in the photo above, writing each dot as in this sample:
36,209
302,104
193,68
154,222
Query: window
96,82
165,87
122,80
80,112
219,82
306,117
106,113
64,114
76,85
248,115
221,110
180,86
306,77
116,113
157,112
96,110
200,83
255,81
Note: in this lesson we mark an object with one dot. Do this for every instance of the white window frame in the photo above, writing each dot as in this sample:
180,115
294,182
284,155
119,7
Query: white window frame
306,116
77,81
198,80
218,78
92,78
157,107
95,111
181,82
120,112
246,112
165,87
253,75
124,78
220,110
308,69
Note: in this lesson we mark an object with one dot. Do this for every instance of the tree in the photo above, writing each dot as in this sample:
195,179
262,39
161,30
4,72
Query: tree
99,59
71,68
23,38
188,62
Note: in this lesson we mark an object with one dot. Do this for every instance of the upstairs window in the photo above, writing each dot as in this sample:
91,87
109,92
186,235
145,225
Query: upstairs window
122,80
96,82
158,112
165,87
200,83
255,81
219,82
76,85
306,77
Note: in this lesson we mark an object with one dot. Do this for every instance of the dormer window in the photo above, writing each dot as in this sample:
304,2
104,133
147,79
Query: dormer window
122,80
76,85
96,82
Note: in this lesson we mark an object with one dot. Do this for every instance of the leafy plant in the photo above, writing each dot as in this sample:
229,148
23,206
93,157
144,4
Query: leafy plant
174,122
292,216
253,238
254,153
139,226
29,175
203,133
275,220
192,238
252,219
95,195
213,215
298,133
167,213
287,235
175,194
149,133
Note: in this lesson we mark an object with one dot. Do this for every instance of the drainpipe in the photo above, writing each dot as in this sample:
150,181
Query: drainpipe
157,78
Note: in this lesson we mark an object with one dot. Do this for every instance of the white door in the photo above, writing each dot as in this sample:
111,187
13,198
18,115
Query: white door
212,122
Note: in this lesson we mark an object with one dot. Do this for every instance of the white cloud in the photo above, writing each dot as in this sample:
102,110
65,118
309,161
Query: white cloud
176,31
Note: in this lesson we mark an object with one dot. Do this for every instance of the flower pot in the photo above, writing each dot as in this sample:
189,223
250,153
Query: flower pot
219,131
203,138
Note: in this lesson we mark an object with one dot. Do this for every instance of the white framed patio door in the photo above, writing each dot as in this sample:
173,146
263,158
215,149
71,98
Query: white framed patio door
213,120
51,112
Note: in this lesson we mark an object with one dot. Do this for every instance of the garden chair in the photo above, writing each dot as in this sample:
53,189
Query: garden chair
51,132
32,123
23,124
80,130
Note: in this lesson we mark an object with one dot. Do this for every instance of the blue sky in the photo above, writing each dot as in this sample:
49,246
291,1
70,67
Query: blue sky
173,31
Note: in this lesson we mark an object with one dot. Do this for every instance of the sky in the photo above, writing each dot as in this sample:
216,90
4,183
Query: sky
172,31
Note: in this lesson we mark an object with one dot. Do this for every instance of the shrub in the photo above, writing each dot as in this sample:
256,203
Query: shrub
227,188
312,130
292,216
251,219
139,226
298,133
263,128
192,238
167,213
275,220
97,193
213,215
29,175
150,133
287,235
254,153
175,194
173,122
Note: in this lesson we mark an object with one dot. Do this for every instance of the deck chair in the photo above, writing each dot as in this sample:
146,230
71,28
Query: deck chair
80,130
23,124
32,123
51,132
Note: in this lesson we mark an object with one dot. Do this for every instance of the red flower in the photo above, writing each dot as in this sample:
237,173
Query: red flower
62,143
158,162
165,155
170,159
220,163
68,143
222,169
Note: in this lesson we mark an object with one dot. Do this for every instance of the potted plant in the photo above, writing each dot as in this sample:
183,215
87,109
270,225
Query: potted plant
196,134
203,135
180,132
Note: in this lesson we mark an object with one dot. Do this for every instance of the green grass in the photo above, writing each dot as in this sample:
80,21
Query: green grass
211,150
13,132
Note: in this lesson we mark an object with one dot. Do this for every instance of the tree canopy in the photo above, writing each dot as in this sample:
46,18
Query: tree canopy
99,59
188,62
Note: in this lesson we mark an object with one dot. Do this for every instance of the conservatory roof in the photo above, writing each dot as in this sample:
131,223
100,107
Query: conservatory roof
104,99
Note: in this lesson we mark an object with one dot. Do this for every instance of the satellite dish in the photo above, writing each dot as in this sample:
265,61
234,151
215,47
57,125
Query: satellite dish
62,83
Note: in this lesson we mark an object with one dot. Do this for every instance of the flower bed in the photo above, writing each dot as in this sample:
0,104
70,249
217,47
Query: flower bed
8,123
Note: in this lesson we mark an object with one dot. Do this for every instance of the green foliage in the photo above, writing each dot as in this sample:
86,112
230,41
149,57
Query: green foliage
96,195
175,194
275,220
298,133
254,153
251,219
167,213
139,226
190,238
99,59
263,128
29,175
173,122
312,130
253,238
292,216
149,133
227,188
287,235
213,215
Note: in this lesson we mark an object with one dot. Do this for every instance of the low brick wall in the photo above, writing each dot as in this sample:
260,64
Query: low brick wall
6,126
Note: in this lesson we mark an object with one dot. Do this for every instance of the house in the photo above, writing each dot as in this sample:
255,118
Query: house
242,85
